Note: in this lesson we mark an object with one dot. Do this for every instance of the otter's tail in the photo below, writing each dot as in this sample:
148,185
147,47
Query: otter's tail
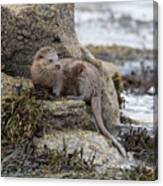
96,108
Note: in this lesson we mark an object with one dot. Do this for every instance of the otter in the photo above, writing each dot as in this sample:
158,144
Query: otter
74,79
46,70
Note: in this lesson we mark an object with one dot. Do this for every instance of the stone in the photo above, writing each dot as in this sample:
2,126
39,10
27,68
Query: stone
26,28
91,142
62,120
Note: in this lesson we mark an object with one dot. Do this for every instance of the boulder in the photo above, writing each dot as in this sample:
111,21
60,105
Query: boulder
26,28
92,143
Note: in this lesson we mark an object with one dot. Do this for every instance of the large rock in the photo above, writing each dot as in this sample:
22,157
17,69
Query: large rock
60,114
51,125
110,104
26,28
64,113
106,156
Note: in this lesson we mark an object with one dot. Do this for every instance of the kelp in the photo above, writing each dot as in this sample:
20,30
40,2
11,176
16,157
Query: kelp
142,144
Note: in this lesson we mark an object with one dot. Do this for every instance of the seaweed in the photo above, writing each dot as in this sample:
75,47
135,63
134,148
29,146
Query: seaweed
61,160
141,143
20,118
21,123
141,173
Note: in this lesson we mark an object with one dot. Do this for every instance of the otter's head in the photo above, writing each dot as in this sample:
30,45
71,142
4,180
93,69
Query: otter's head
47,56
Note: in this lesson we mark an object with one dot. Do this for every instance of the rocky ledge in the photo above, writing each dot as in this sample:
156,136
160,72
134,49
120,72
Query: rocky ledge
33,127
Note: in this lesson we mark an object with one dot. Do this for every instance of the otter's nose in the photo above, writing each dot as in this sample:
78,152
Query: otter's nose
57,66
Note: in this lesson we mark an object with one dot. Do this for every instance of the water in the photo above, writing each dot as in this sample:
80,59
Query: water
120,23
127,24
128,67
140,107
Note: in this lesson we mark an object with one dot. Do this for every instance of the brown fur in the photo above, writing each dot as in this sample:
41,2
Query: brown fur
46,70
76,80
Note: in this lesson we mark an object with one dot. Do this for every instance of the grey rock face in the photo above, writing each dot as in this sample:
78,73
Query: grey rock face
26,28
93,144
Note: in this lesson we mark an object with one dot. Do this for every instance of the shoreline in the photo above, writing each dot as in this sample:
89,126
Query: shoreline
117,53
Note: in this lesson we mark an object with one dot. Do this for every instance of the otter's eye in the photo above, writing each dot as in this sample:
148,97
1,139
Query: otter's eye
50,60
41,57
